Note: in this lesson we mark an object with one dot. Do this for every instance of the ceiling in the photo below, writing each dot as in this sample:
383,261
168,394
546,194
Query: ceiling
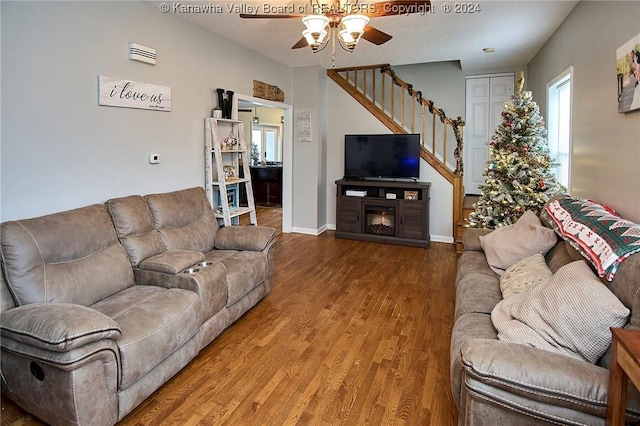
517,29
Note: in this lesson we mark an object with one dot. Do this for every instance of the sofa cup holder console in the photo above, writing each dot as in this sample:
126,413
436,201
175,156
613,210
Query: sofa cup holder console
195,268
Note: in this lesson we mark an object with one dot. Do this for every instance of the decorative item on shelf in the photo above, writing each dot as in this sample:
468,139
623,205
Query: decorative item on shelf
225,103
217,112
226,112
230,172
410,195
230,142
220,99
232,199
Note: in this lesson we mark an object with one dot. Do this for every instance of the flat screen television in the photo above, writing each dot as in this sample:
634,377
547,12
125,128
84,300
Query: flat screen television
385,156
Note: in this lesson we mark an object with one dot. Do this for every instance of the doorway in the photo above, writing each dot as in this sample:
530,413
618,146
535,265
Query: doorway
284,114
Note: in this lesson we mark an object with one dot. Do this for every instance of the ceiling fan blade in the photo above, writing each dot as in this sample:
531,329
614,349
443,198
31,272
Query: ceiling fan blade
301,43
274,16
399,7
375,36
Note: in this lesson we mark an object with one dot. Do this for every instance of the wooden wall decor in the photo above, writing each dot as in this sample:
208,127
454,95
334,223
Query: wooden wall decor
131,94
267,91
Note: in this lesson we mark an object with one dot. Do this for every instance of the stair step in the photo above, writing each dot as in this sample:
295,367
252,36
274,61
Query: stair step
468,201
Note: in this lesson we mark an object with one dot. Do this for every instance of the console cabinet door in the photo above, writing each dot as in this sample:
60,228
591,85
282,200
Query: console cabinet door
349,214
412,220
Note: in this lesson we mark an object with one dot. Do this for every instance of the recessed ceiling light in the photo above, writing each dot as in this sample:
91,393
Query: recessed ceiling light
489,50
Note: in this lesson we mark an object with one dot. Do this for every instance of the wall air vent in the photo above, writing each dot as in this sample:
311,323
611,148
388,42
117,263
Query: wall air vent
138,52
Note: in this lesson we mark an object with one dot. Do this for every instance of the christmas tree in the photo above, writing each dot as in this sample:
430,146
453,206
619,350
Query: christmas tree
518,174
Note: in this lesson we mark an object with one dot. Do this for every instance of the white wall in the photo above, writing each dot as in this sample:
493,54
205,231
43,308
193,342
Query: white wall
309,164
59,149
606,145
441,82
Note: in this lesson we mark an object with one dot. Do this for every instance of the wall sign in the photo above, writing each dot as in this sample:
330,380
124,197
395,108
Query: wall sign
304,126
131,94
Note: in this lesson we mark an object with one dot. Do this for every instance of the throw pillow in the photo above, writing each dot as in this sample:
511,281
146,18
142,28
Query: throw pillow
524,275
507,245
570,313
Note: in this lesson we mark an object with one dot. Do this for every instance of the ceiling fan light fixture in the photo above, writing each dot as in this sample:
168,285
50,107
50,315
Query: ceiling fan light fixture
348,40
347,37
355,23
315,40
315,23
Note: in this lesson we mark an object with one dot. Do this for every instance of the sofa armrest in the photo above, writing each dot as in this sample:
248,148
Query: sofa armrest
58,327
471,238
249,238
508,368
172,261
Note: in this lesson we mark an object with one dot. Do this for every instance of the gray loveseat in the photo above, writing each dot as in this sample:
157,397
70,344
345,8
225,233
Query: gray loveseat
103,304
501,383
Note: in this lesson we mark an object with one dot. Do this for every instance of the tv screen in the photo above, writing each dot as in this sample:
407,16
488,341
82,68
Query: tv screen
382,156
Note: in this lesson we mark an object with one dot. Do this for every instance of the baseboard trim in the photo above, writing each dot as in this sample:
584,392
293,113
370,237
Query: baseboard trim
332,227
442,239
309,231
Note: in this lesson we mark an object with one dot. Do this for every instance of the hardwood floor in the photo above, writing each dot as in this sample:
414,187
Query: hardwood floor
353,333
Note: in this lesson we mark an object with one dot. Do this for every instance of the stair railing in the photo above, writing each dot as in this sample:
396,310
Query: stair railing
405,110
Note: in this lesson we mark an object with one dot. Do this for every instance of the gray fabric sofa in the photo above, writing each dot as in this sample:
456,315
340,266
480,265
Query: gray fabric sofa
103,304
499,383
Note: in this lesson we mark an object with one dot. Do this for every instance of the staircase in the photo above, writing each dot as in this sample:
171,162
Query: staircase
404,110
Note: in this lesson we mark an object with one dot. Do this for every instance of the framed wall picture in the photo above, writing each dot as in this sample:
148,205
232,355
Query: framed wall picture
628,73
410,195
230,172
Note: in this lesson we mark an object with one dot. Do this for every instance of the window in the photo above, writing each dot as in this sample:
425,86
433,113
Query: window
559,124
267,138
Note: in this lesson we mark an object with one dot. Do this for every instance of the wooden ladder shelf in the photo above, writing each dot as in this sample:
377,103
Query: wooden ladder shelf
227,170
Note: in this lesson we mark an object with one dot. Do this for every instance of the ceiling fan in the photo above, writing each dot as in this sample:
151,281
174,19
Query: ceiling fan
345,22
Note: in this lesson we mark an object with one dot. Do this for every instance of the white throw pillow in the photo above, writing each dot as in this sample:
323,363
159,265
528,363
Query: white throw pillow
524,275
570,313
507,245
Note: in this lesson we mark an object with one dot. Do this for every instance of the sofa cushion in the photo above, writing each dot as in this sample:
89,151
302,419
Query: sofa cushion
135,227
67,257
184,219
559,256
477,293
154,321
524,275
473,262
570,313
245,271
57,327
507,245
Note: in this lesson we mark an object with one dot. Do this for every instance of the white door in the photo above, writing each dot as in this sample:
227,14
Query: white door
267,138
485,98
